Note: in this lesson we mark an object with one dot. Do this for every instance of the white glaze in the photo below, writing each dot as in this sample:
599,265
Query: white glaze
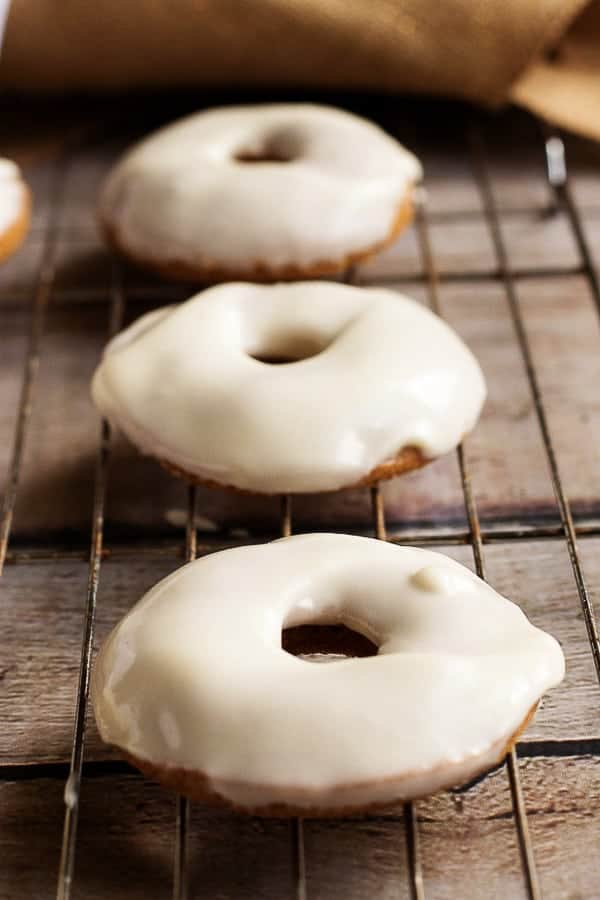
4,8
182,384
195,675
12,194
181,196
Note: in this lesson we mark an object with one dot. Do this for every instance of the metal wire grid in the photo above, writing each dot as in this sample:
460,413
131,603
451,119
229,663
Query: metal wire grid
562,198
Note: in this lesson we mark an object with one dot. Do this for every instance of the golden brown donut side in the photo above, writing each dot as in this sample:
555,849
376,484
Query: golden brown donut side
405,460
196,786
261,272
12,238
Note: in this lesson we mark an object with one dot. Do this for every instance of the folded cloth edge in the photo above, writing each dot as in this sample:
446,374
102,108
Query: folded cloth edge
392,46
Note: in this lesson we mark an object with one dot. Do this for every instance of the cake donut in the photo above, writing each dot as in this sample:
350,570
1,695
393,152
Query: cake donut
377,385
14,208
264,193
196,689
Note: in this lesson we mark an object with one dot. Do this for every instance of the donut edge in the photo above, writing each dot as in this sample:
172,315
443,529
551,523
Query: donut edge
12,238
261,272
197,786
406,460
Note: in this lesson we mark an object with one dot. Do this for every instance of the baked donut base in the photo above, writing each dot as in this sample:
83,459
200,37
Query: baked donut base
197,786
12,238
261,271
405,461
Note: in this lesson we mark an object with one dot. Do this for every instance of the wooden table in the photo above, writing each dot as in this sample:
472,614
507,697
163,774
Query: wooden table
498,251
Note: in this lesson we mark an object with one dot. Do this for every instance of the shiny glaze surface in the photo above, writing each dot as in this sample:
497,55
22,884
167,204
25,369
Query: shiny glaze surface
274,185
195,675
12,194
376,373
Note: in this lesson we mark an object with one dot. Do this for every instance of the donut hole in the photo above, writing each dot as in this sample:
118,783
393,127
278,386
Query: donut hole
261,156
326,643
277,147
287,348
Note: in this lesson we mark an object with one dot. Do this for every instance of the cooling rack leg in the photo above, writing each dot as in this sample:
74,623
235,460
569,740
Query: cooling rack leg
182,819
493,219
413,853
521,824
298,859
67,857
296,825
39,305
410,811
557,174
180,871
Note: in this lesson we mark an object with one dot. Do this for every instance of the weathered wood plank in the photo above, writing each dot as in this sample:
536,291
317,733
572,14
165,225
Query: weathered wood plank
14,344
57,475
564,824
566,352
583,159
357,858
464,246
505,452
42,621
536,241
18,274
591,224
468,839
126,844
468,843
539,578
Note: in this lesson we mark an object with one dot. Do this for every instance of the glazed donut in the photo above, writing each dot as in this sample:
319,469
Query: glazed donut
14,208
380,385
263,193
195,687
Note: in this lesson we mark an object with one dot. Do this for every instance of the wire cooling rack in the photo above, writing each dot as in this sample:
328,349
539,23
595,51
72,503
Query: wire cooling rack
560,201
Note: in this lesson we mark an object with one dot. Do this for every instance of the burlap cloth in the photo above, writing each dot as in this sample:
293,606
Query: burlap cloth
544,54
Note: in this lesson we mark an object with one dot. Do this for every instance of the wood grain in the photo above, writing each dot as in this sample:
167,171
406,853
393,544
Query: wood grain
468,839
468,843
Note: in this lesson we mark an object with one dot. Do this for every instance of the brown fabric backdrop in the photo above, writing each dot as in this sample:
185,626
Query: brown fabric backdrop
566,87
484,51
